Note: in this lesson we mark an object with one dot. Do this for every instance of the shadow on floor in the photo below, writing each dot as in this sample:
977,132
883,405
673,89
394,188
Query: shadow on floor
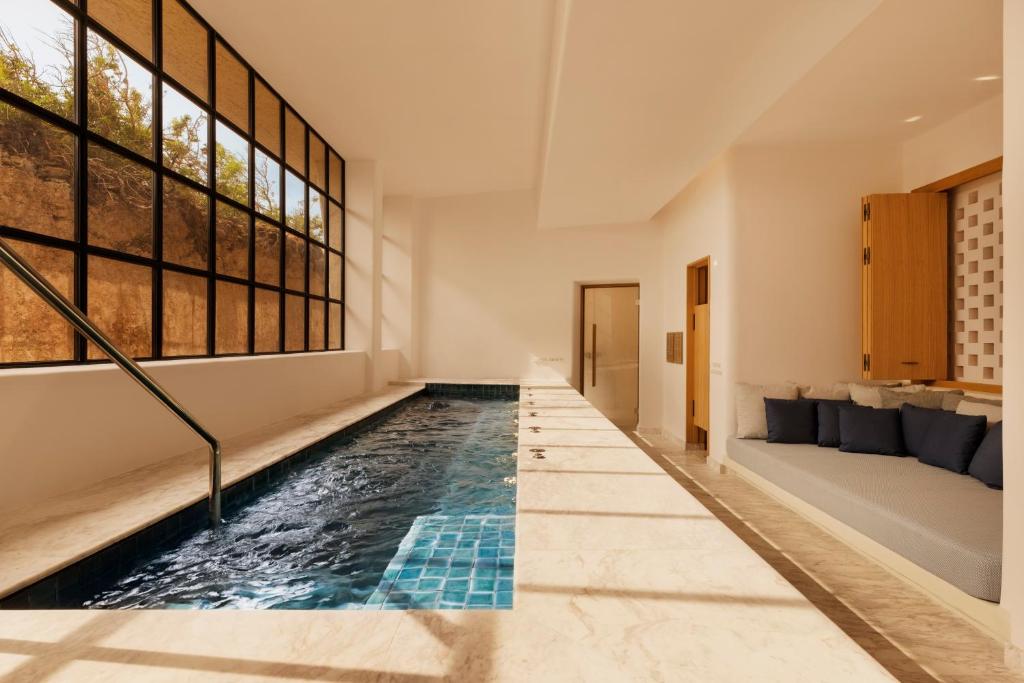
896,661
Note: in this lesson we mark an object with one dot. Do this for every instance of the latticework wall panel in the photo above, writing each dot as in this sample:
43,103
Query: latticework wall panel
978,280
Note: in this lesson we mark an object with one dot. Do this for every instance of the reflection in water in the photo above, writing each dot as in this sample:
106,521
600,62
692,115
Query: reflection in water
323,536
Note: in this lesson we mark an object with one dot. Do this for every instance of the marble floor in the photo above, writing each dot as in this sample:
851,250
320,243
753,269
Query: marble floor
621,574
914,637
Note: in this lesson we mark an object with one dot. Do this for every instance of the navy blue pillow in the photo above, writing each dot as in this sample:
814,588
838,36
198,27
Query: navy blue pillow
987,464
828,421
942,438
791,421
917,424
870,430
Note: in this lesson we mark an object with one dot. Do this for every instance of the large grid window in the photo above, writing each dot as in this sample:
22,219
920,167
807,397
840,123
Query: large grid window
155,179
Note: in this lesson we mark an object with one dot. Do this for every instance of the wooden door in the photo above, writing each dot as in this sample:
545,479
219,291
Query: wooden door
702,366
698,351
904,286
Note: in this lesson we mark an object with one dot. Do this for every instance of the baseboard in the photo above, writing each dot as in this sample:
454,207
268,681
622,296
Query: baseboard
988,616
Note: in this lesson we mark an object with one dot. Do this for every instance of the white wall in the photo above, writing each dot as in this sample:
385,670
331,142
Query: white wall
399,303
798,257
364,273
500,298
782,226
966,140
64,428
1013,320
700,222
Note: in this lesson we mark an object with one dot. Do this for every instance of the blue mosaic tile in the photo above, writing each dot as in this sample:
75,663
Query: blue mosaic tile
450,563
431,584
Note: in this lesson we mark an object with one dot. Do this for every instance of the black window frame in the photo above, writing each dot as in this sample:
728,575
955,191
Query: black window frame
82,250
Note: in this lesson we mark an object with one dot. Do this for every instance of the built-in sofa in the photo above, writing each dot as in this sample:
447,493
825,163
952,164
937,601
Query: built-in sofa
946,523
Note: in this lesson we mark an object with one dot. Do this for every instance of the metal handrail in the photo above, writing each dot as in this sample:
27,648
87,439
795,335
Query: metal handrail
41,286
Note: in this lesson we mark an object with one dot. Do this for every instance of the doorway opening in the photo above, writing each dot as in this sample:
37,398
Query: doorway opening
610,350
698,352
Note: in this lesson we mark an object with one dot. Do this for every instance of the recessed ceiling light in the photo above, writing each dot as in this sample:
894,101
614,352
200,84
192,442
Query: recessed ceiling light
989,77
913,119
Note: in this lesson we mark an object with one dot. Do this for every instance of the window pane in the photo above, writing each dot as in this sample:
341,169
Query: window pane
186,225
316,325
335,276
120,203
294,323
268,253
268,311
232,241
232,318
121,305
337,177
186,129
120,97
295,142
336,225
29,329
37,54
294,202
185,49
37,160
184,314
268,186
130,20
317,169
232,88
317,206
295,263
317,266
268,118
334,326
232,164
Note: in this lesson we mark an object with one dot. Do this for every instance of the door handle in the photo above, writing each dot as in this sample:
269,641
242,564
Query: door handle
909,362
593,355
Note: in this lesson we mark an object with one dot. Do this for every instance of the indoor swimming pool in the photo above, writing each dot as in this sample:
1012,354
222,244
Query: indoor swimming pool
416,512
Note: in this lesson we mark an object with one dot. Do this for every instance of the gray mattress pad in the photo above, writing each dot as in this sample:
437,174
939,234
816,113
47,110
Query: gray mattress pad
949,524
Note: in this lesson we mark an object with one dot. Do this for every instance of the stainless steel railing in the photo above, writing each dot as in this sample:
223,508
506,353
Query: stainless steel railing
41,286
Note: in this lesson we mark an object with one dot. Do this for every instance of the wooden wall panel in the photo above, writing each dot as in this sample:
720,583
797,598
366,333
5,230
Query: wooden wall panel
905,286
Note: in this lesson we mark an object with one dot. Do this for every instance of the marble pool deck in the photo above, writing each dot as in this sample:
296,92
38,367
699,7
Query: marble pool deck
620,574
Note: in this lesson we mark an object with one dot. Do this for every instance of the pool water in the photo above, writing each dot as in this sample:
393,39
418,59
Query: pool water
417,512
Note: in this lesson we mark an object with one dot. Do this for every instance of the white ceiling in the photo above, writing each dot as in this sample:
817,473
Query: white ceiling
908,58
607,108
652,90
448,95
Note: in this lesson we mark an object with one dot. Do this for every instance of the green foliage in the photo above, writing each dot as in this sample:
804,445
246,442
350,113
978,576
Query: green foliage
232,175
119,112
50,87
266,177
185,148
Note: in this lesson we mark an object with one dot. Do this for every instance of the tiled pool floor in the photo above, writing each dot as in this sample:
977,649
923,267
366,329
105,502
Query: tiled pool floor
450,562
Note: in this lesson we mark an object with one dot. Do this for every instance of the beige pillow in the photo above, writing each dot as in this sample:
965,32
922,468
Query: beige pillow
893,398
871,394
908,388
840,391
751,422
951,399
992,413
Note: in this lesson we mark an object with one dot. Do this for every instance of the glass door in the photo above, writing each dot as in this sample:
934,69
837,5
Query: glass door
611,351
